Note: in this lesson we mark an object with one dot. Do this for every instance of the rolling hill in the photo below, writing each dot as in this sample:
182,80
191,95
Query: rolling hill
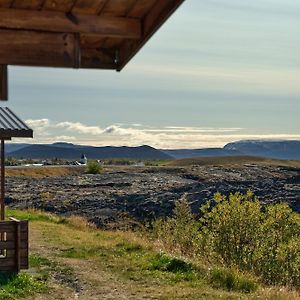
71,151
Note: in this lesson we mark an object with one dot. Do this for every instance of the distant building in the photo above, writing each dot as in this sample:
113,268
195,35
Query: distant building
83,160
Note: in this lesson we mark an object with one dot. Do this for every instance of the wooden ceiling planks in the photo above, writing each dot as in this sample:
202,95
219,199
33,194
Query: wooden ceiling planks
5,3
27,4
118,8
59,5
89,7
140,9
54,32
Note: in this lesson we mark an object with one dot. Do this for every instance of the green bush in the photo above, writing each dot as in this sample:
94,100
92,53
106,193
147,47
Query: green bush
93,167
266,241
238,232
179,232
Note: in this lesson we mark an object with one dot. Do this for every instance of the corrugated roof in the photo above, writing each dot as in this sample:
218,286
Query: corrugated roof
12,126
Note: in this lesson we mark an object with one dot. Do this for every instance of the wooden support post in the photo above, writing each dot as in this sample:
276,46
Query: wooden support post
18,246
2,194
3,83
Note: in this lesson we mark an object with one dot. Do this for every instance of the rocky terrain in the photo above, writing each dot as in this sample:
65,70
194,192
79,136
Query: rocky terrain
142,193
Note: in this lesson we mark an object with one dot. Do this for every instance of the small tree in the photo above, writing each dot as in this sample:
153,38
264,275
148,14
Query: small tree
93,167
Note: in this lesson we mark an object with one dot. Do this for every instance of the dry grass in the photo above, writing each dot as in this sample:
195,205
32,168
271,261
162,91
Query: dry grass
79,223
44,171
233,161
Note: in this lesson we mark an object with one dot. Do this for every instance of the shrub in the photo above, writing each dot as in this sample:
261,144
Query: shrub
179,232
266,241
231,228
93,167
237,232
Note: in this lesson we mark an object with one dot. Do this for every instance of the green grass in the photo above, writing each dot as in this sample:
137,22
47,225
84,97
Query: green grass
133,262
231,280
13,286
33,215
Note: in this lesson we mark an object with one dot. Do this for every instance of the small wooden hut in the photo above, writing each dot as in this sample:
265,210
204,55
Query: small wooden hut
90,34
13,233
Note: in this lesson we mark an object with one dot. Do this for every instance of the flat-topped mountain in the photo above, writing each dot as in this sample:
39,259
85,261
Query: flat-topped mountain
258,148
272,149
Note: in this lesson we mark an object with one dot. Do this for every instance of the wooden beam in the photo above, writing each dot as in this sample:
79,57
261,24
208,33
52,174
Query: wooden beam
3,83
51,21
37,49
159,13
30,48
2,183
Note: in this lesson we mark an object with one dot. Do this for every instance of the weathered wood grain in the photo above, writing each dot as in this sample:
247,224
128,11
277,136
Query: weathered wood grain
129,28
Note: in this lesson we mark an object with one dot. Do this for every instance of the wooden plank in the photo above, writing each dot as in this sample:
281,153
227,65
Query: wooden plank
59,5
128,28
18,245
5,3
117,7
99,59
28,4
7,262
140,9
12,253
37,49
89,7
157,16
89,41
7,245
7,226
3,83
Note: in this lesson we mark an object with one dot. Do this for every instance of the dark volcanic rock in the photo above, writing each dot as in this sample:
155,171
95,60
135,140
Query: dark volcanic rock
145,193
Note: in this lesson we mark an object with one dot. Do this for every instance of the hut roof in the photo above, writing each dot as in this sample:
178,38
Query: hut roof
12,126
100,34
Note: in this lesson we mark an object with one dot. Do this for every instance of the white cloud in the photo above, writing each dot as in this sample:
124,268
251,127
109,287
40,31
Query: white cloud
47,131
80,128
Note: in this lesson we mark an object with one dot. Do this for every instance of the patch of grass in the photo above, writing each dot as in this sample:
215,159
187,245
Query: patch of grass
129,247
169,264
37,261
33,215
231,280
82,252
79,223
14,286
43,171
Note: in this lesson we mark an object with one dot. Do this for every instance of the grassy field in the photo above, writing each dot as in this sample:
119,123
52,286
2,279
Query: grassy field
233,161
72,260
44,171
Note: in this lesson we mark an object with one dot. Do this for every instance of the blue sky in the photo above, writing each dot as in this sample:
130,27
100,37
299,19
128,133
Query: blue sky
216,72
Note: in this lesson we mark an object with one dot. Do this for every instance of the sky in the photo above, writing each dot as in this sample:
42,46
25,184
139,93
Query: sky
218,71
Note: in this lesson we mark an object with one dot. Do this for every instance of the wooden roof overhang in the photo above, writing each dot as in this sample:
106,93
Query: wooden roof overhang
98,34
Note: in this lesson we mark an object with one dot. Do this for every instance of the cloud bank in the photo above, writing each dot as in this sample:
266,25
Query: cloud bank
167,137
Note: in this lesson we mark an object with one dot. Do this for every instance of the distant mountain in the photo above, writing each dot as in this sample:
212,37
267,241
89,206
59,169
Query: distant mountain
71,151
209,152
14,147
268,149
261,148
271,149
